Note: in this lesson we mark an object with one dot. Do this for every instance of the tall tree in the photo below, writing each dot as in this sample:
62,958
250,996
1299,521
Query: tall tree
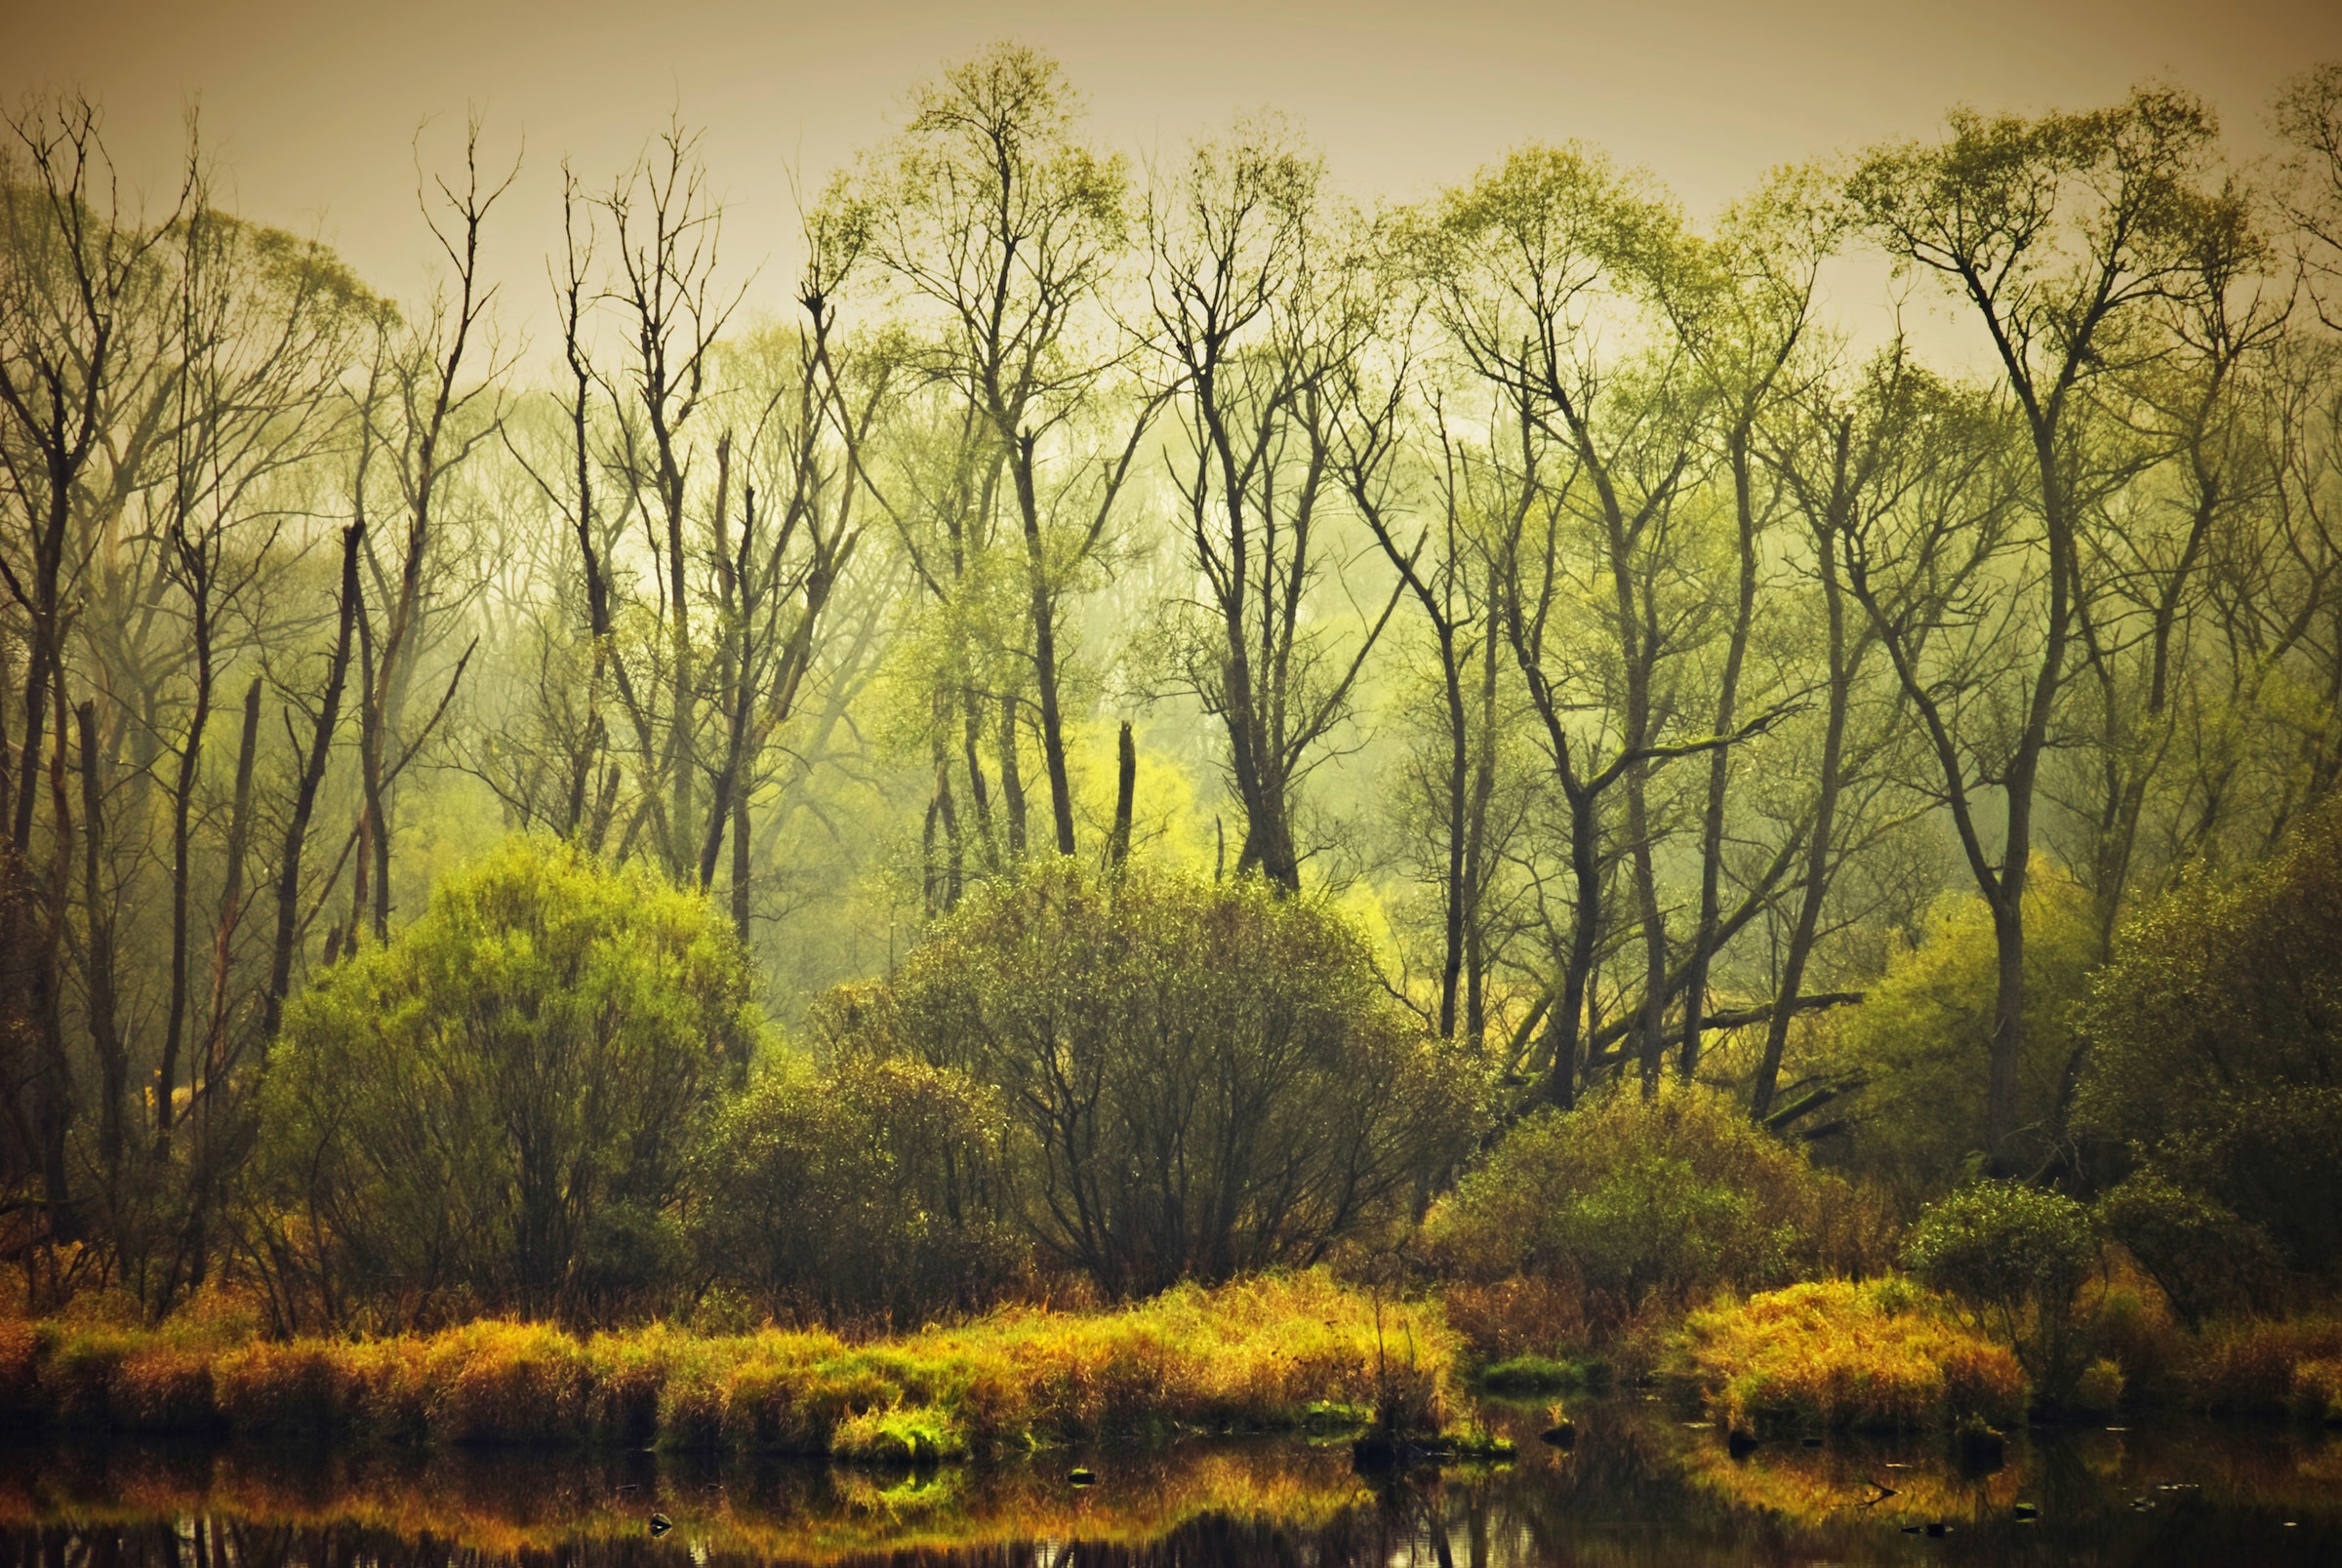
2060,233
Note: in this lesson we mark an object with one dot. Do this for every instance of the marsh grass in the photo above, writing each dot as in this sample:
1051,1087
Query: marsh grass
1838,1356
2267,1367
1275,1352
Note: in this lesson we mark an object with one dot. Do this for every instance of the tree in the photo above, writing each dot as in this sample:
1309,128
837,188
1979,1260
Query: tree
1741,305
1255,316
450,1111
1003,228
1529,274
1204,1078
2060,233
78,273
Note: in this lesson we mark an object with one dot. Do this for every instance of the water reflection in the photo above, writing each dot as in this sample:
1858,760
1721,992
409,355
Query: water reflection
1642,1486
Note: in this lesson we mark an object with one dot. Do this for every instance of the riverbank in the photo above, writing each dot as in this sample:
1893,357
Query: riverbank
1888,1355
1281,1352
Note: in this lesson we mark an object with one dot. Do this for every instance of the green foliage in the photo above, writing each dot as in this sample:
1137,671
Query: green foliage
2204,1257
1539,1374
2016,1255
497,1105
1202,1078
1622,1200
875,1189
1919,1044
2214,1069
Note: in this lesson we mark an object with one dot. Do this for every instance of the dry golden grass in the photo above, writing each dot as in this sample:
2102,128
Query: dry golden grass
1262,1353
1834,1354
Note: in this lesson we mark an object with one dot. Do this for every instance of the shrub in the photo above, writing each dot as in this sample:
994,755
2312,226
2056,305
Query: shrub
454,1108
1620,1201
2099,1387
1204,1078
874,1190
2204,1257
2214,1059
2015,1255
1838,1355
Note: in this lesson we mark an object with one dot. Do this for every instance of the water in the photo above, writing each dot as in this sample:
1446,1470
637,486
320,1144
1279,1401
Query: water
1644,1485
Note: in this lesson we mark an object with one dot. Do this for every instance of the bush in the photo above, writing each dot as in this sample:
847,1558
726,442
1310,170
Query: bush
2214,1062
875,1191
1202,1078
2016,1256
496,1106
1837,1354
2197,1251
1621,1201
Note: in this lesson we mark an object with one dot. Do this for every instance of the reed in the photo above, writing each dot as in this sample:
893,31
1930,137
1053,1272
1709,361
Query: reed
2267,1367
1833,1354
1271,1352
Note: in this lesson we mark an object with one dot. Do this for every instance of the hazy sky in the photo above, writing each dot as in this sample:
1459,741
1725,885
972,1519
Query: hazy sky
313,105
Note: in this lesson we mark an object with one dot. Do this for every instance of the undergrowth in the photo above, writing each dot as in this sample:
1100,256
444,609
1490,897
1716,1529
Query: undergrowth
1274,1351
1834,1354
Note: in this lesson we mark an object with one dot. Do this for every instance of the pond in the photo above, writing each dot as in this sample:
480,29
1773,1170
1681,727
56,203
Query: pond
1644,1484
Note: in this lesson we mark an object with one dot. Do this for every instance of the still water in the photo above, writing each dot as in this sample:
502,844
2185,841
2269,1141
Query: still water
1644,1485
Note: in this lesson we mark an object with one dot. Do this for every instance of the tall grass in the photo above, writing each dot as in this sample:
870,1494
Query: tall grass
1882,1355
2267,1367
1274,1351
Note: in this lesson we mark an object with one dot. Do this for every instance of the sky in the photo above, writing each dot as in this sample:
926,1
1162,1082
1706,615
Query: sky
318,111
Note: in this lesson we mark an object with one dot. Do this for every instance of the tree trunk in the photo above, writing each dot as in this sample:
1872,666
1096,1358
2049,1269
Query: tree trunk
1044,650
1816,884
106,1035
1719,761
305,787
1126,779
183,802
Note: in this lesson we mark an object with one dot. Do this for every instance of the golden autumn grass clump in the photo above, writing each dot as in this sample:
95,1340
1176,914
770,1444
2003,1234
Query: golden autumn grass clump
1836,1354
1267,1352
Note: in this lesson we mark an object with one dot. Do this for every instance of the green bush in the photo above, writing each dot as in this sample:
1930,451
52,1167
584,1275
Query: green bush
1623,1200
2015,1256
873,1191
2204,1257
496,1106
2216,1066
1202,1078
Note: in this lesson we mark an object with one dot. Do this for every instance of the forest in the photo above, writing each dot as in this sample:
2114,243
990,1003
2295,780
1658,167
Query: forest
1151,726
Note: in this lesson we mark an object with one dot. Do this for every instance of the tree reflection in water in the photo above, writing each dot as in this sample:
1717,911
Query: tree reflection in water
1642,1487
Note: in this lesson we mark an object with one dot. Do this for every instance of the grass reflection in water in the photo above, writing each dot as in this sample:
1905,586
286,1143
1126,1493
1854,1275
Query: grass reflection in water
1642,1487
